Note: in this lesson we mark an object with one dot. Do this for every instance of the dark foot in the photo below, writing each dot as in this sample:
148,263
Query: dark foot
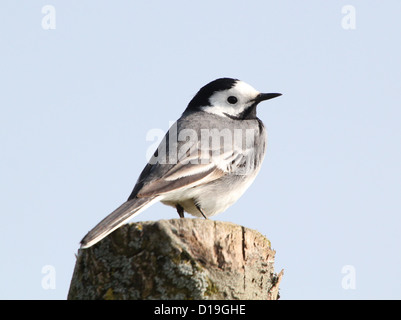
180,210
200,210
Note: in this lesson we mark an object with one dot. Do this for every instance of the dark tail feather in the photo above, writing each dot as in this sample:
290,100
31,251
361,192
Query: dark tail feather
115,219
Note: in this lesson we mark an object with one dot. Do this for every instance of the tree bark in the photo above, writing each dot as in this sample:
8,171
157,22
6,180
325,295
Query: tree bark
177,259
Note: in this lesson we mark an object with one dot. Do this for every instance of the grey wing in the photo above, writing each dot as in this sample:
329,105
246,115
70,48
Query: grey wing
188,171
195,164
191,168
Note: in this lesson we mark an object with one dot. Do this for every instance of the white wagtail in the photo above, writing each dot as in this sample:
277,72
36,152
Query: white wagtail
206,161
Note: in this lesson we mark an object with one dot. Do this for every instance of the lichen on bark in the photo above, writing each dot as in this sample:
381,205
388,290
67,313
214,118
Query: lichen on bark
177,259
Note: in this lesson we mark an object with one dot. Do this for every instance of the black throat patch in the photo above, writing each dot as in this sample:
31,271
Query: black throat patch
247,114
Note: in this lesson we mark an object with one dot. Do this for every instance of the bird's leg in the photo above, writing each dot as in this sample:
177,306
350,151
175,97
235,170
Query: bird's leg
180,210
200,210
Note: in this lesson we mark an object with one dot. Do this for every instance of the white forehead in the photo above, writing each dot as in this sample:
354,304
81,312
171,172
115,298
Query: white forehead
244,89
241,90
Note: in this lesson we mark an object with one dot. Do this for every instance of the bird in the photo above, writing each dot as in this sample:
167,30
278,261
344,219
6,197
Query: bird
206,160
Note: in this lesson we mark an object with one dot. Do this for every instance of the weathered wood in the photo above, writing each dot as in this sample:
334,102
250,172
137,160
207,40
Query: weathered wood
177,259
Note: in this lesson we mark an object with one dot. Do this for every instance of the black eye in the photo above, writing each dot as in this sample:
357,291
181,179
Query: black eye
232,100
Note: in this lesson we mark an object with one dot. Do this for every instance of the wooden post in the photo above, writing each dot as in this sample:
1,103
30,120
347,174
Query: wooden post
177,259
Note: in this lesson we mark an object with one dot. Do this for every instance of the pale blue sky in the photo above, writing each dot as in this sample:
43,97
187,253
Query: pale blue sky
77,102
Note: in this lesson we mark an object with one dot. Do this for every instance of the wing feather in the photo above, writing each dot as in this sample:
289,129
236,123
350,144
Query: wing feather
196,164
163,185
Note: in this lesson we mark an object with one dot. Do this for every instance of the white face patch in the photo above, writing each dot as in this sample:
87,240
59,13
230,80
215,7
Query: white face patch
243,92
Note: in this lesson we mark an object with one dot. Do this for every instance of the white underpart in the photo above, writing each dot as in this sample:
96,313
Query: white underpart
220,106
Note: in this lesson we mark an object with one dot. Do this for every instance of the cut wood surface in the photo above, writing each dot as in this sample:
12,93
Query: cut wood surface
177,259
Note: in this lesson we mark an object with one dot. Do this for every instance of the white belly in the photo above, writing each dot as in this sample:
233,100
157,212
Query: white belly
213,197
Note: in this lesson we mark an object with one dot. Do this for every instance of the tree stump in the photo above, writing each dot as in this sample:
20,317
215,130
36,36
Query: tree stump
177,259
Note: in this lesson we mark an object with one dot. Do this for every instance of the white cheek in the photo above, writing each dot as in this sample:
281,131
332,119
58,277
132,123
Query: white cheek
221,110
221,107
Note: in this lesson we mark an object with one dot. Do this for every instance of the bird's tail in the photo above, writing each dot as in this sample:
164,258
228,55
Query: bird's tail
115,219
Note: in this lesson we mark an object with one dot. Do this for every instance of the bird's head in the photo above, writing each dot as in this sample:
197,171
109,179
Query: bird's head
230,98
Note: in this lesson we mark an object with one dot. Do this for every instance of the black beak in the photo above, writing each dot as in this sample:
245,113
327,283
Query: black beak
266,96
